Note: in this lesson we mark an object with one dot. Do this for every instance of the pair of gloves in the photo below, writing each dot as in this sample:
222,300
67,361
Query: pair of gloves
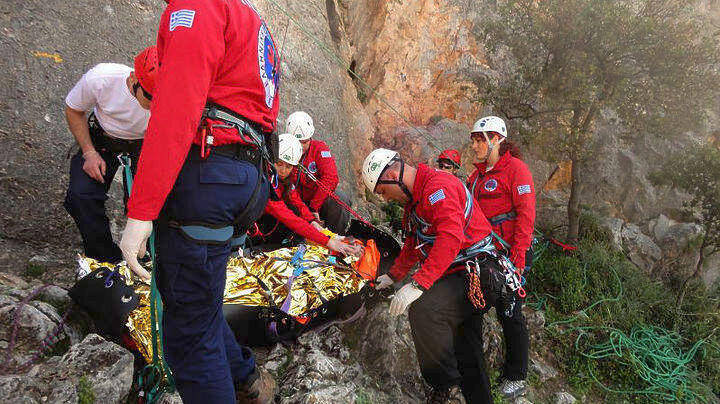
403,297
137,232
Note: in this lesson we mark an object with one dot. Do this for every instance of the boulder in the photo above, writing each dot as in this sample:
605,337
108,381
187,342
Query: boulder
640,248
563,397
92,368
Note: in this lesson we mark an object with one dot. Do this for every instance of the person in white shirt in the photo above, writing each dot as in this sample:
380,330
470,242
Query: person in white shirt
117,99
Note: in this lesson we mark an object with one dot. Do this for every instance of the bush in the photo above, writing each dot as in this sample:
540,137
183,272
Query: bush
596,289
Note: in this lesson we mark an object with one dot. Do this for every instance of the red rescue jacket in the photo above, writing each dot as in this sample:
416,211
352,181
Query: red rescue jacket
209,51
319,161
507,187
300,225
439,198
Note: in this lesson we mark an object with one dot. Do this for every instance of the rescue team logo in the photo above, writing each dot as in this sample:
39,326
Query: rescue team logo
524,189
490,185
312,167
182,18
436,196
268,64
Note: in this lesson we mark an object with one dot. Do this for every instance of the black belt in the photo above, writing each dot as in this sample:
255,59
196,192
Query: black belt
240,152
101,140
496,220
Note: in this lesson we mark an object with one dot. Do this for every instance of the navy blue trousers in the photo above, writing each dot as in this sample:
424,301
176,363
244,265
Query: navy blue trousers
85,202
201,350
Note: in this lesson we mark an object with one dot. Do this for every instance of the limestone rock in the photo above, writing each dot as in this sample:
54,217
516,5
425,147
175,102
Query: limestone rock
563,397
103,367
640,248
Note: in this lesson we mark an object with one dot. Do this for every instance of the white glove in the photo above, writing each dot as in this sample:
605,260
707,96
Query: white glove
383,281
132,245
403,298
317,226
338,244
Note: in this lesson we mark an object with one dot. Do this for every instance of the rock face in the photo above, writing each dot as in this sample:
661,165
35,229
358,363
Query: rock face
93,367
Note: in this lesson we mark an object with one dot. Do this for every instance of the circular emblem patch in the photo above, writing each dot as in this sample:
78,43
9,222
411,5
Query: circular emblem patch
267,62
490,185
312,167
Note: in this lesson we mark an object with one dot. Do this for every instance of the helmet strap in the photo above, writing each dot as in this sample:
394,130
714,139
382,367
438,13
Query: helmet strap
399,182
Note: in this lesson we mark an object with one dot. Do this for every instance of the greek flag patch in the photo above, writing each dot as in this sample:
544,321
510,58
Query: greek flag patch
182,18
436,196
325,154
523,189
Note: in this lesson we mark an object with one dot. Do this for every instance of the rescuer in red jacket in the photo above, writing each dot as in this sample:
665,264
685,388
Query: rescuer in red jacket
503,186
317,163
201,174
449,161
290,211
443,231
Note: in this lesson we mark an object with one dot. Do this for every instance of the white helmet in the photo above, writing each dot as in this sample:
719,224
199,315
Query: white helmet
490,124
290,149
374,165
300,125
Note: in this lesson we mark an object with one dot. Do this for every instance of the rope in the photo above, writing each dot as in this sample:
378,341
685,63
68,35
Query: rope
45,345
653,354
155,379
333,56
332,194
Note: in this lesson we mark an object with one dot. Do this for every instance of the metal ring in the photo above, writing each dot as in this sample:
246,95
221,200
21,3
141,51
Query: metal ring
126,298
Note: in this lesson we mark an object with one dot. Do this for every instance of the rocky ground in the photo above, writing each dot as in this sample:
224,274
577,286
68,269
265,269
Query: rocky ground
371,360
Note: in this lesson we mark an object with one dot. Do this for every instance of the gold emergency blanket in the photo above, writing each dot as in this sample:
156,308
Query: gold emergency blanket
244,285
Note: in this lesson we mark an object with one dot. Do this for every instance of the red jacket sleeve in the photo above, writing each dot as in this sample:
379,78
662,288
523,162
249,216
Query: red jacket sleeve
405,261
448,222
523,199
327,175
281,212
300,205
189,58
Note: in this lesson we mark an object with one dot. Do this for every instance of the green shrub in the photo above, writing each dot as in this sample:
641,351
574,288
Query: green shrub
597,288
85,393
34,270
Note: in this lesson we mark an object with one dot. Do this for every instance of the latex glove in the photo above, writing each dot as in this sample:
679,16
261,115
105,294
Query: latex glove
383,281
317,226
403,298
132,245
338,244
94,166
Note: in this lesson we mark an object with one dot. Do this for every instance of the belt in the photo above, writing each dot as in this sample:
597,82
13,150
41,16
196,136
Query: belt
236,151
496,220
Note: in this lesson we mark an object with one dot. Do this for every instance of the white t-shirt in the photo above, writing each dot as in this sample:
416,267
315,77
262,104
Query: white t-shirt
104,90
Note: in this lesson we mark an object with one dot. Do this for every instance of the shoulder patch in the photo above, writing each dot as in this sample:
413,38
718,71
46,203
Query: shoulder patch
268,64
436,196
182,18
325,154
524,189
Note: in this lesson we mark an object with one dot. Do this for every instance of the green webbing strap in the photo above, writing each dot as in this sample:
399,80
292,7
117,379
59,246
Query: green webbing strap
155,373
156,309
498,238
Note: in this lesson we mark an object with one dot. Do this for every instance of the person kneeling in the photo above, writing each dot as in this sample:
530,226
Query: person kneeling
290,215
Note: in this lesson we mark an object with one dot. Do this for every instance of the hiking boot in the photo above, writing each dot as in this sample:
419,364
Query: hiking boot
452,395
513,388
258,389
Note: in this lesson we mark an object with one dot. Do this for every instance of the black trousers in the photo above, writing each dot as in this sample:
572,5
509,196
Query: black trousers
336,218
517,339
85,198
447,332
